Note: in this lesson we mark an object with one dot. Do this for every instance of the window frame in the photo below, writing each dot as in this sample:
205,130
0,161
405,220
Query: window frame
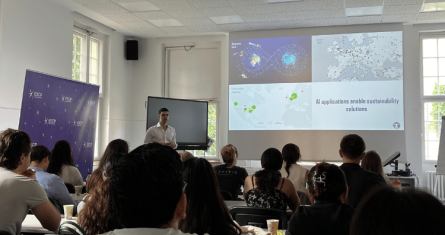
427,98
83,55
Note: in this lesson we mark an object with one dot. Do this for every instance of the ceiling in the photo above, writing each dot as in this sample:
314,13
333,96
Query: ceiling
195,15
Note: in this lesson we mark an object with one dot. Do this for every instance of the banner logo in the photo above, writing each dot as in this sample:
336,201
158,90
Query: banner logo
87,145
33,144
66,99
92,103
77,123
49,122
396,125
35,94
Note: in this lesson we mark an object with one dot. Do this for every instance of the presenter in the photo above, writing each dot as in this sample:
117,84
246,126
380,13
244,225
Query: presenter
161,133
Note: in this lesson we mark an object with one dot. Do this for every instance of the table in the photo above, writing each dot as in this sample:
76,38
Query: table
32,225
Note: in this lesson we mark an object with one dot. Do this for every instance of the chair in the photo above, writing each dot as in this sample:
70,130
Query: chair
226,195
70,228
229,183
71,188
257,216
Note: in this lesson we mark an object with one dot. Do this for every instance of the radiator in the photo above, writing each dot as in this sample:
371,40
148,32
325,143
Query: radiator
435,184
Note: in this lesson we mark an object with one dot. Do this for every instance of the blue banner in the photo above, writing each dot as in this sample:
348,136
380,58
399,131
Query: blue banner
56,109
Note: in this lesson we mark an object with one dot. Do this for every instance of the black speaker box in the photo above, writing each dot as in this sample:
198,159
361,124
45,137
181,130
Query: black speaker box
131,50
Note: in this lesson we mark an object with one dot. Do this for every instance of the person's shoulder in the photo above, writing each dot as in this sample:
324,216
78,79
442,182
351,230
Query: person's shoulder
219,167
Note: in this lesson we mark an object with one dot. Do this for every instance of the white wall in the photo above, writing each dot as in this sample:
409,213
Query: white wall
35,35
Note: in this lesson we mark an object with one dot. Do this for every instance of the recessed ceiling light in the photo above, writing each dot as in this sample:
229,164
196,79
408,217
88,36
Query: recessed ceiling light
278,1
166,23
138,6
433,6
364,11
227,19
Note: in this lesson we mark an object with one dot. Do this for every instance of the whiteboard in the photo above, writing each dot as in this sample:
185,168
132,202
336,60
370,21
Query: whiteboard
441,158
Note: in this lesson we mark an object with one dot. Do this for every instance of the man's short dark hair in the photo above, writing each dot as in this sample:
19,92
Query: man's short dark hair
13,143
163,110
39,152
146,186
352,146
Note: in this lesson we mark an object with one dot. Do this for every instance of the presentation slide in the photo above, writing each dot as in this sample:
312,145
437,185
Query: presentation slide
327,82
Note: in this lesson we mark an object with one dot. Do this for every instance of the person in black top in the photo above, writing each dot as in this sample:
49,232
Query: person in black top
329,213
360,181
230,176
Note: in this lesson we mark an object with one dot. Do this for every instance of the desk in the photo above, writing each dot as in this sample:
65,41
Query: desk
32,225
231,204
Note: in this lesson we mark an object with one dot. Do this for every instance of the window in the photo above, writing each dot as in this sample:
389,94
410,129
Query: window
212,132
84,44
433,92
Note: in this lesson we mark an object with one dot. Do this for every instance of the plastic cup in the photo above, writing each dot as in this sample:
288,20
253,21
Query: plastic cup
272,226
68,211
78,190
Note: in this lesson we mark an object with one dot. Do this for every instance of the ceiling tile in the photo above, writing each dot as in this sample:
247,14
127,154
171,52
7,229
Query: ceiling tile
124,1
431,16
363,3
219,11
149,32
205,28
185,13
364,20
403,9
197,21
337,21
91,2
176,30
235,27
172,5
245,2
153,15
432,1
208,3
402,2
122,17
399,18
107,8
138,25
259,18
333,4
288,16
268,25
253,9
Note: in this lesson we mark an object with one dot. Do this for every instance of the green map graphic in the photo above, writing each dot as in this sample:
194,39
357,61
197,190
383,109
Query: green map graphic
293,96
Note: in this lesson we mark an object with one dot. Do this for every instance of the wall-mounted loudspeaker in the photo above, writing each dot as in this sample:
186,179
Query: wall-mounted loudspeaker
131,50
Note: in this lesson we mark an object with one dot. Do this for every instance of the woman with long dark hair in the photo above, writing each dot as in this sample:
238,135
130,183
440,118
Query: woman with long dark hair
206,211
62,164
291,169
96,215
266,188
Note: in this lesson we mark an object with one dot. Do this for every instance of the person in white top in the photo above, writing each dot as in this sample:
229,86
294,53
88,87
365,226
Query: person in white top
291,170
147,191
19,189
161,133
62,164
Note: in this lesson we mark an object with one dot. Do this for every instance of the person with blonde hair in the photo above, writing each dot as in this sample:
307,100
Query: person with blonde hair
230,176
185,156
372,162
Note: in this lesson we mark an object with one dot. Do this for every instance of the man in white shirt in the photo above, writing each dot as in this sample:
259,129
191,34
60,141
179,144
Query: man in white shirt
161,133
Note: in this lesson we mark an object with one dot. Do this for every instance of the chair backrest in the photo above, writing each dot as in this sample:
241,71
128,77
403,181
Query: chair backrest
71,188
257,216
304,198
230,184
226,195
4,232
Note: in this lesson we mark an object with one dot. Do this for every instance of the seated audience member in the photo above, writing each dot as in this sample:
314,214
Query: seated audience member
267,189
95,214
147,191
372,162
52,184
330,213
360,181
206,210
388,211
185,156
62,164
230,176
19,191
291,170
